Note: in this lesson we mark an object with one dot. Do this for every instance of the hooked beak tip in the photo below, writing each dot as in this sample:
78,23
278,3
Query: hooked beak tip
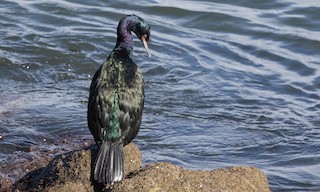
146,45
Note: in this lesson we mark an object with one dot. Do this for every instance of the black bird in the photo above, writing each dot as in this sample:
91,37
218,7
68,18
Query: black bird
116,101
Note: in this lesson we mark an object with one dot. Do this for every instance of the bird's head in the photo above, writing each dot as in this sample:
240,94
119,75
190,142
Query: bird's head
142,30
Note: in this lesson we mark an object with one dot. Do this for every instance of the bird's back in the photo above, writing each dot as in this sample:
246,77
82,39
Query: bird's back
116,100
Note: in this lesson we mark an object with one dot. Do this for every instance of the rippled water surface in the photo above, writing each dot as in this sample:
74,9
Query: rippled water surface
229,82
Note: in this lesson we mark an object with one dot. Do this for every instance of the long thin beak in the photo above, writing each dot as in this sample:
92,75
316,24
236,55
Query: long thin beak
146,45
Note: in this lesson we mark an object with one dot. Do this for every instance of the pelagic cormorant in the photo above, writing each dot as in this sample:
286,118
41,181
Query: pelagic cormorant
116,101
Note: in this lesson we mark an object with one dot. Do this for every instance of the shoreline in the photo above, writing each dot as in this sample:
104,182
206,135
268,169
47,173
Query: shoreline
72,172
35,157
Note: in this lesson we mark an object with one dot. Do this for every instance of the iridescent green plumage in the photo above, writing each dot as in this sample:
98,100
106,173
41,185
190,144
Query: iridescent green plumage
116,102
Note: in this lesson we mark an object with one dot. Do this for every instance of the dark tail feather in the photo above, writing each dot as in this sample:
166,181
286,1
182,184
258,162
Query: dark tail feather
109,167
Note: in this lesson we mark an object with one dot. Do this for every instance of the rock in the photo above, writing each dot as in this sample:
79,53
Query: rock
167,177
72,172
5,183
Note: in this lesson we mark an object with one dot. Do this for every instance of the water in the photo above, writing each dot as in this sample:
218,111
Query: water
229,83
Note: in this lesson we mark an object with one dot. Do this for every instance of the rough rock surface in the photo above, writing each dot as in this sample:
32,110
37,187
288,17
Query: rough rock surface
5,183
167,177
72,172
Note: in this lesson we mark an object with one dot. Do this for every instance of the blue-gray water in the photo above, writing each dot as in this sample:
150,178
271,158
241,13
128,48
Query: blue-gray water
228,83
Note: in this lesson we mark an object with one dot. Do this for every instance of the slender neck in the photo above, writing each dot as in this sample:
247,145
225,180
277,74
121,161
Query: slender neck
125,38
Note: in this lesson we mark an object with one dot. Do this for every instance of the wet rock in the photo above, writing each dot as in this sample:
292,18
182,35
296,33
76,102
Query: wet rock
72,172
5,183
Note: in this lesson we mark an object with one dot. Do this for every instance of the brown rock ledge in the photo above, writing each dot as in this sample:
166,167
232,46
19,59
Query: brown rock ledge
72,172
